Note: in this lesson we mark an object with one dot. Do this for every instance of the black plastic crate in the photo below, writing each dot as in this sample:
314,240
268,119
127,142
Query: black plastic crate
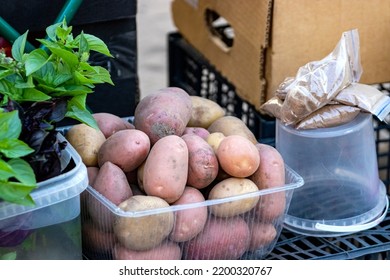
189,70
371,244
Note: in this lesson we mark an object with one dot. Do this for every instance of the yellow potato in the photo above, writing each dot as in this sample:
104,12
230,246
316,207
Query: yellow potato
146,231
231,187
214,139
204,112
87,142
231,125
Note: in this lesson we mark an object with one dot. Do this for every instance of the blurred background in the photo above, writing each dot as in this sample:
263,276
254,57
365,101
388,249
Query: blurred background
153,24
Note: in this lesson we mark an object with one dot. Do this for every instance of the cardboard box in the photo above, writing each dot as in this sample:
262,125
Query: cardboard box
273,38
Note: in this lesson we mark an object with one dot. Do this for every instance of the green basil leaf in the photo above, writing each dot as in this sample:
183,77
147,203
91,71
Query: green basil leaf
35,60
18,47
82,79
86,67
103,75
83,44
10,125
28,84
17,193
6,171
77,110
46,42
14,148
10,87
79,101
5,73
61,78
46,74
32,94
51,31
82,116
72,90
95,44
62,32
23,171
67,56
9,256
62,74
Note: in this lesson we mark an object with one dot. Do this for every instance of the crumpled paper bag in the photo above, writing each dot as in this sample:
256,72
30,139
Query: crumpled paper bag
327,92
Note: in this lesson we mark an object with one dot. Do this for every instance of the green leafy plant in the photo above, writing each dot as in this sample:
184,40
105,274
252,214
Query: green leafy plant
17,178
58,70
37,90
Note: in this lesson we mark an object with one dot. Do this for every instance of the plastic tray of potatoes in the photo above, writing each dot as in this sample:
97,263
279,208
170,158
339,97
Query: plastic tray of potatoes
198,230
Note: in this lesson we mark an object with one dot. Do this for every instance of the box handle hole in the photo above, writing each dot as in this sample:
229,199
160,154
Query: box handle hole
221,31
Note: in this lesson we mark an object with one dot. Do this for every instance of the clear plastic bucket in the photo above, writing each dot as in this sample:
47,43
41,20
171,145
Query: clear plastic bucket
342,192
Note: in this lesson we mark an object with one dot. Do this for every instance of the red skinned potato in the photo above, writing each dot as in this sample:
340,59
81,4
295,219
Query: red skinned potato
126,148
200,131
221,239
261,235
111,182
96,241
238,156
109,123
271,171
270,174
163,112
92,172
165,251
140,176
166,168
271,206
189,222
202,162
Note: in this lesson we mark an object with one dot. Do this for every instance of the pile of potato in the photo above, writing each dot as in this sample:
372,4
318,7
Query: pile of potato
188,174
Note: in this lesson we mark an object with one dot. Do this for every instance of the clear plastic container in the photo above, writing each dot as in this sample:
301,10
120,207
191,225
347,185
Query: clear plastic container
100,239
52,228
342,193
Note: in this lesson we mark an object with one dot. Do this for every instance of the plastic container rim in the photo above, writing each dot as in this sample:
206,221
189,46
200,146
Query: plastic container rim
328,132
44,189
297,225
296,183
